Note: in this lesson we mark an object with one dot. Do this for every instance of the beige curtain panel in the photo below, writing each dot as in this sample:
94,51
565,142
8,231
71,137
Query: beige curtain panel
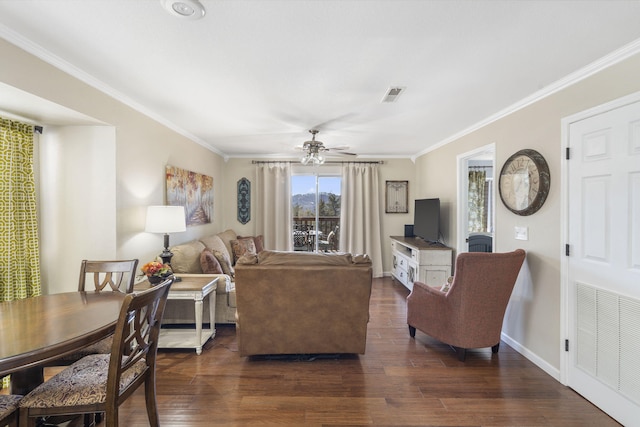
360,216
273,200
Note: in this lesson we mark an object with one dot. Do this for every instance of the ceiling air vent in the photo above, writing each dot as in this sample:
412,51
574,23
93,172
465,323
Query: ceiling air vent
393,93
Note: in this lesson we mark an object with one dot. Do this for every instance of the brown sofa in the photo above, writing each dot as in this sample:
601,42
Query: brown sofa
302,303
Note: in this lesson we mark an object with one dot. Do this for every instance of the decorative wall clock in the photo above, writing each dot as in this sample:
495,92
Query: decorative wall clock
244,201
524,182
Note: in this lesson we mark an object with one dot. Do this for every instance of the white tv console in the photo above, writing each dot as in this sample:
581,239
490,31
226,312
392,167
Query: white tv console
415,260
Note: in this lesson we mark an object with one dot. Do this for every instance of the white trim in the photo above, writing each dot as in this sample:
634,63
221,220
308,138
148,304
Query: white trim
606,61
462,178
41,53
533,357
566,122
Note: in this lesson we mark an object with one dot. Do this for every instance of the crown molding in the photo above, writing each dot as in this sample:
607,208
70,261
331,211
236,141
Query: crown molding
59,63
607,61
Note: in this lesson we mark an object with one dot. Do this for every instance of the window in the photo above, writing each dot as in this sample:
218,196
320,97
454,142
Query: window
315,201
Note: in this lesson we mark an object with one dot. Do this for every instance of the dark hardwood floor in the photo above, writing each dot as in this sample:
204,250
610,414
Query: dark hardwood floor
398,382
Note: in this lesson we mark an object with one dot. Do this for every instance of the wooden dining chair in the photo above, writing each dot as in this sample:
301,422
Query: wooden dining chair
101,382
115,276
9,410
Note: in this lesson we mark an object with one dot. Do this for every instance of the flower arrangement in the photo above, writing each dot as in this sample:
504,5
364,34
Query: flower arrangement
156,271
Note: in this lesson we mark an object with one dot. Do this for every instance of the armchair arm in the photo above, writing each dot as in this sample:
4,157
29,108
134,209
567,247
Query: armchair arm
429,310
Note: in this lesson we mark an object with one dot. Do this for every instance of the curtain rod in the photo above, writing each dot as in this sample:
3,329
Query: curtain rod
480,167
259,162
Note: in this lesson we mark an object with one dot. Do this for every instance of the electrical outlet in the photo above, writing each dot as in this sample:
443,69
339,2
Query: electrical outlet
522,233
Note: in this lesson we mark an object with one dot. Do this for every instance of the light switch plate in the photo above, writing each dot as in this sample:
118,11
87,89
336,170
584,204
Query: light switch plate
522,233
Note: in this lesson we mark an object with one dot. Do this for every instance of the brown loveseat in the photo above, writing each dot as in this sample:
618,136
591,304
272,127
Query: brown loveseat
302,303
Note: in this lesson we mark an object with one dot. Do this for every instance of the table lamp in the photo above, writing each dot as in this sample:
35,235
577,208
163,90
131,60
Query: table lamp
165,219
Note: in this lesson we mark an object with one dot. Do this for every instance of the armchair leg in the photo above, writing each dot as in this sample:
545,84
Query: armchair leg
495,348
412,331
461,352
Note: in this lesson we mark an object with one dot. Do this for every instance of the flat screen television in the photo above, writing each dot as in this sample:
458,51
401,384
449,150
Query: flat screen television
426,220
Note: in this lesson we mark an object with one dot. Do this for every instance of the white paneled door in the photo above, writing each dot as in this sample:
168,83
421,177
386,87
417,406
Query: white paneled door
603,261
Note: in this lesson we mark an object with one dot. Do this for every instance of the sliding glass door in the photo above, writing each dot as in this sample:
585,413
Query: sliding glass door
315,201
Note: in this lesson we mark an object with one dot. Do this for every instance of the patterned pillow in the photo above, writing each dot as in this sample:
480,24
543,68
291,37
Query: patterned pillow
242,246
258,241
209,263
225,262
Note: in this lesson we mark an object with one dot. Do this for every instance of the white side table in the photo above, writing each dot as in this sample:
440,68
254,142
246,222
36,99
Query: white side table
196,289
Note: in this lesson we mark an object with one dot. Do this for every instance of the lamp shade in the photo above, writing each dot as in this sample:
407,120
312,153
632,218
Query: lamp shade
165,219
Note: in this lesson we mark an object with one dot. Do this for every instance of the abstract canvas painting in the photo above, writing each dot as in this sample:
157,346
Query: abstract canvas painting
192,190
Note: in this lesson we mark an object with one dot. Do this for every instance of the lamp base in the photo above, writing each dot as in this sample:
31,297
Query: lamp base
166,257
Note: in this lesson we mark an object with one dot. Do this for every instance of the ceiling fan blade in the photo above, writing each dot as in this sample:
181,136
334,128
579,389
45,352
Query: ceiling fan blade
339,153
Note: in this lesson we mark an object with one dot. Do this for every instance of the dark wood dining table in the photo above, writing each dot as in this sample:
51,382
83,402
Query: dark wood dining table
34,331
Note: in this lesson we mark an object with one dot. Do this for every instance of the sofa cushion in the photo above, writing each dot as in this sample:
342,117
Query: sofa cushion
361,259
241,247
247,259
186,257
303,258
225,262
215,243
258,241
209,263
227,236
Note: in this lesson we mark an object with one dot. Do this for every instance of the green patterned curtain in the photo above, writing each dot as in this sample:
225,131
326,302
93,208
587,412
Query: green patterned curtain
477,204
19,247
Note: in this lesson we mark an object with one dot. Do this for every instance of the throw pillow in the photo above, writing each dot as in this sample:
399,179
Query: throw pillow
258,241
225,262
247,259
242,246
209,263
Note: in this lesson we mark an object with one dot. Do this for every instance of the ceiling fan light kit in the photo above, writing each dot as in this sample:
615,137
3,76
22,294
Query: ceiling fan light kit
314,150
187,9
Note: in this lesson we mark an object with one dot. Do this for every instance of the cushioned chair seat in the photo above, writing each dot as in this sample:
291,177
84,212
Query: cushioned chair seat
83,383
101,347
8,406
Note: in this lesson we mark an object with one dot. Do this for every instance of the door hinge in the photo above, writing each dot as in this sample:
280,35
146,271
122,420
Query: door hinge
566,345
567,250
568,153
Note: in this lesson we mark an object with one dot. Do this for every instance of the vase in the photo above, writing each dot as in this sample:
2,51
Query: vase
154,280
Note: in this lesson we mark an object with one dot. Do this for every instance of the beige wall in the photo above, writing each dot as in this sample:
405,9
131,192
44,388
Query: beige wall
391,224
533,317
143,147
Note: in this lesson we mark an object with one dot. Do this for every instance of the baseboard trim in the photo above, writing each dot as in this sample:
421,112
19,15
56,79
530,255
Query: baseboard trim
534,358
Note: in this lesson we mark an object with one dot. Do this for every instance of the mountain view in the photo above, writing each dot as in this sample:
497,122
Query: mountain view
305,204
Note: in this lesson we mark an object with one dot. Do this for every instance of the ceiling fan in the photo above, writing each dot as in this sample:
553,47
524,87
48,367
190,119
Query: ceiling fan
314,150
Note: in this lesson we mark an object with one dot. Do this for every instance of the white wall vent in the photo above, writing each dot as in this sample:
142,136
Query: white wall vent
393,93
609,339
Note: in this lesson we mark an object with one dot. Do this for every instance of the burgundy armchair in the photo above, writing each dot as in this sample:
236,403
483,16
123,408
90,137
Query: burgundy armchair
470,313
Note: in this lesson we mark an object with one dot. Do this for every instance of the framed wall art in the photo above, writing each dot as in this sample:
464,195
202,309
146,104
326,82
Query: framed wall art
397,197
192,190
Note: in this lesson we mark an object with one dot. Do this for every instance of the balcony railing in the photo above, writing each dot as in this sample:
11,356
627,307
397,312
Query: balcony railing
305,232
